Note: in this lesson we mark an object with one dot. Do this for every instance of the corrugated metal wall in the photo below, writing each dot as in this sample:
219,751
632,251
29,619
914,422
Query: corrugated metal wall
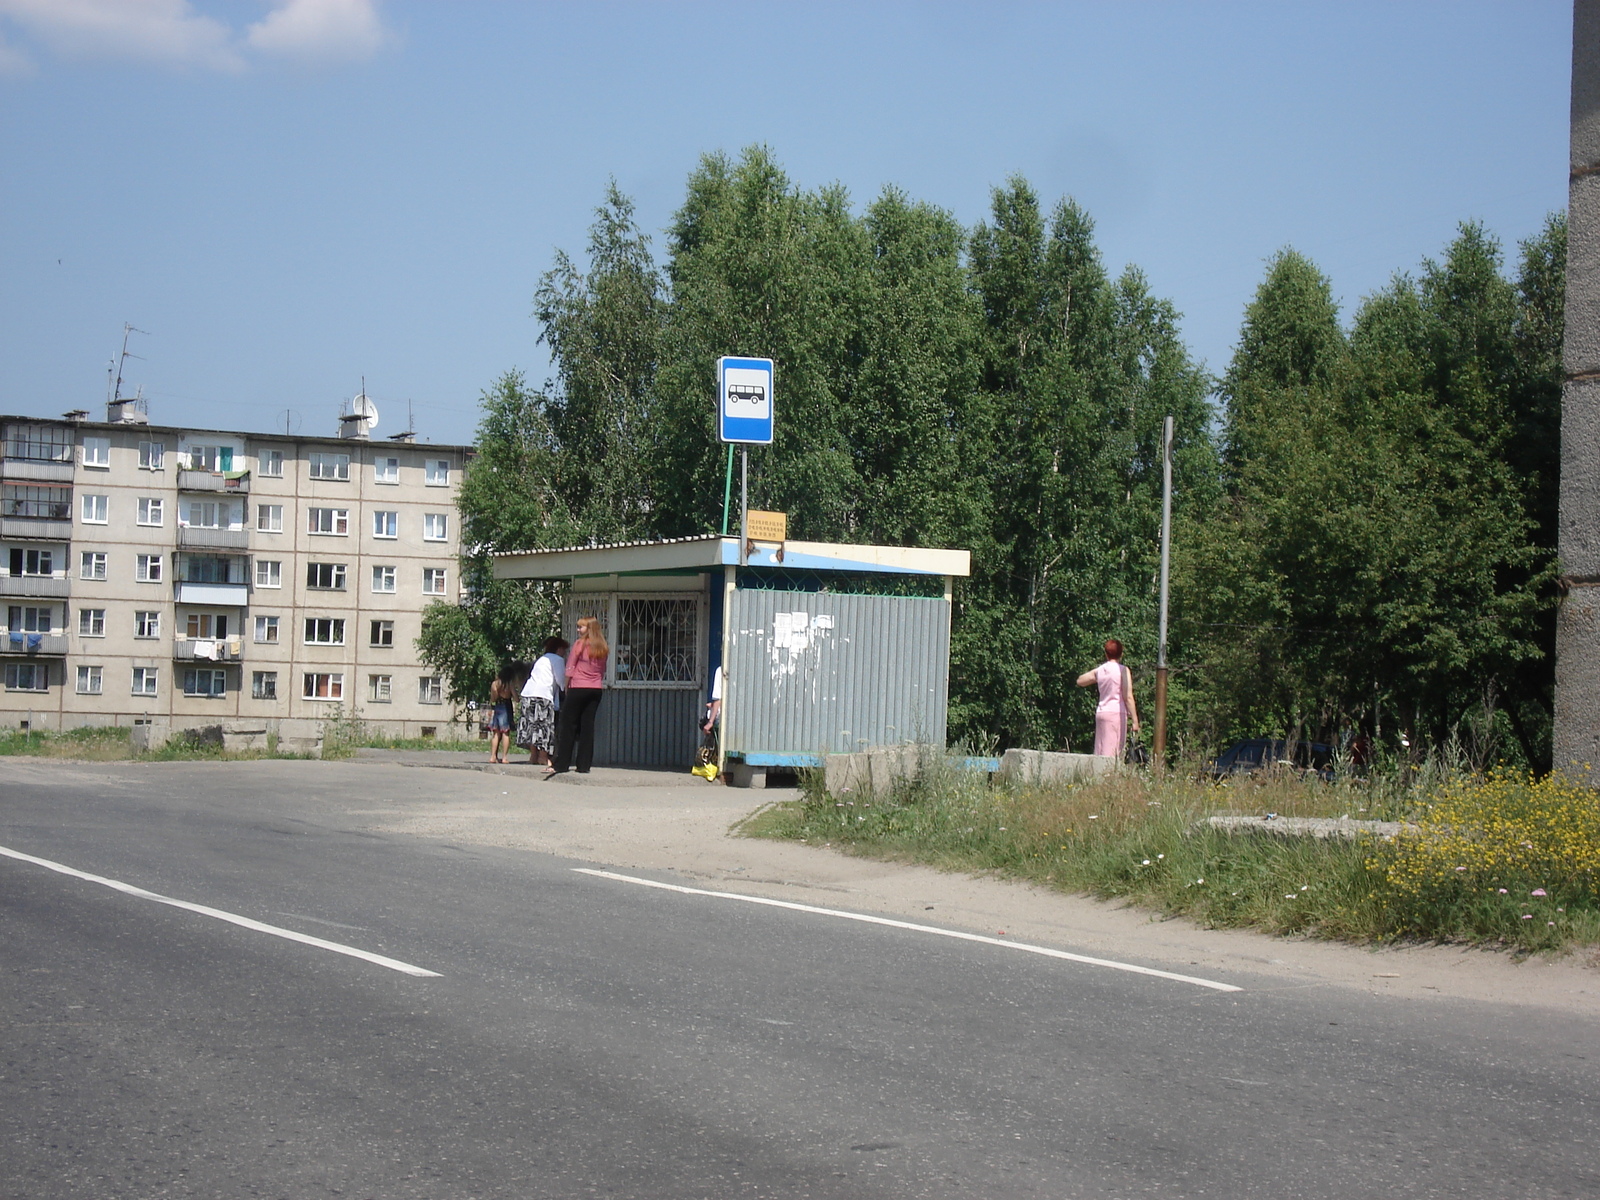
647,727
813,672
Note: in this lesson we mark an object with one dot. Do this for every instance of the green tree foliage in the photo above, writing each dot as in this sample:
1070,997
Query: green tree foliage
1379,551
1364,530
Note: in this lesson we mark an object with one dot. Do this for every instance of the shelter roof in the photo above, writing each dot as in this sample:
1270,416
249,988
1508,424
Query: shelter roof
710,551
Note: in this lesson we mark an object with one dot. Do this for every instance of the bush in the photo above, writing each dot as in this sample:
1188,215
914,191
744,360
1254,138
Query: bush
1508,857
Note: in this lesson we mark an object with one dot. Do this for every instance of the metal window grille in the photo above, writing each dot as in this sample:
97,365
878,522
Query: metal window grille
656,641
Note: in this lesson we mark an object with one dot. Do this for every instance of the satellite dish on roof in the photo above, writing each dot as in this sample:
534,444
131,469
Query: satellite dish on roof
361,418
365,411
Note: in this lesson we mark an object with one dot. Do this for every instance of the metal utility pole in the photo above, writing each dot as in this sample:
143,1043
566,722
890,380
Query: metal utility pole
1159,751
744,503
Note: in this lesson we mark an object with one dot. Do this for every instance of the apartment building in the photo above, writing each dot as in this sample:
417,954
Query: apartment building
206,576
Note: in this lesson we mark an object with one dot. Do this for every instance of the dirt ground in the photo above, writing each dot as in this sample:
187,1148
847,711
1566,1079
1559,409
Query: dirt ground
650,821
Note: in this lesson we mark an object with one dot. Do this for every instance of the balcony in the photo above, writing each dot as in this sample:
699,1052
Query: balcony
33,470
228,595
37,645
217,650
44,529
192,537
35,585
191,480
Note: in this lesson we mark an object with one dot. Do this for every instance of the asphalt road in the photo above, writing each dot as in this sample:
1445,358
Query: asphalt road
586,1036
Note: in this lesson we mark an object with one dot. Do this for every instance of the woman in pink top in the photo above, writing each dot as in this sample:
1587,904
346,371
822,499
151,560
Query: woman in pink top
1116,708
586,677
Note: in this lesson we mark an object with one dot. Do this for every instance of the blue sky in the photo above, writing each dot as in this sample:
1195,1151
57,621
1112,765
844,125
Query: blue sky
291,195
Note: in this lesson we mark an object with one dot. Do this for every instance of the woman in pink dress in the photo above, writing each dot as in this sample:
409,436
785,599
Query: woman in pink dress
1116,710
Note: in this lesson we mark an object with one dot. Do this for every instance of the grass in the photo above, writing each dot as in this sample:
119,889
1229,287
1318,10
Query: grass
1142,839
343,734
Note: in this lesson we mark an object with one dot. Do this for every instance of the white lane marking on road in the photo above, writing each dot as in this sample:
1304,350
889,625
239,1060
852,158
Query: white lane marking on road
1026,947
394,964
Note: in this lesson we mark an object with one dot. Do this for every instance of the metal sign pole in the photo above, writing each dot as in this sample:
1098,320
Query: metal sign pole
1159,751
744,504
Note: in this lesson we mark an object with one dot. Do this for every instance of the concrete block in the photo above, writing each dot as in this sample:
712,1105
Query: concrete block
1585,116
845,773
300,735
144,738
1048,766
741,774
240,736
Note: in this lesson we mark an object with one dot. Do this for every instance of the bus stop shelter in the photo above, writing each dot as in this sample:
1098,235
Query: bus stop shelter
827,647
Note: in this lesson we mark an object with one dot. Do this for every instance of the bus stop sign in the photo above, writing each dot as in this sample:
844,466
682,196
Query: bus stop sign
744,400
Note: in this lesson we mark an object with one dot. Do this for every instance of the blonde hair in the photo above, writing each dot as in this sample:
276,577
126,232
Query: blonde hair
595,640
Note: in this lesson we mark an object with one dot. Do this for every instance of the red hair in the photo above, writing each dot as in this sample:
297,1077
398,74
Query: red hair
1114,649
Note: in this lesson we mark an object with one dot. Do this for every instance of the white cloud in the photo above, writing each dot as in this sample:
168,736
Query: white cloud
173,33
320,29
167,31
14,64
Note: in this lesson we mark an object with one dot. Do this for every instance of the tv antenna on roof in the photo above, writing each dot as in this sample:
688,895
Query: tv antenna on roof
116,389
290,415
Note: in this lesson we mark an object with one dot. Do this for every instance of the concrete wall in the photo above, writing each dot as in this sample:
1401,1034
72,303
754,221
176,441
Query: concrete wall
1577,709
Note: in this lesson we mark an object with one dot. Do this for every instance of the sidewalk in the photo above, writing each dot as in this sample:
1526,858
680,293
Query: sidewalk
659,822
461,760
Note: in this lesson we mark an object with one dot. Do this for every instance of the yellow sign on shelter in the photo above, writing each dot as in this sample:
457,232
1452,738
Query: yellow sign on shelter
767,526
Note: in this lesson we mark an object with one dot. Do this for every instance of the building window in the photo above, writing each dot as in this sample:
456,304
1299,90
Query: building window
144,681
27,500
385,524
267,629
328,520
324,631
208,568
91,680
94,509
205,625
32,562
383,579
39,443
207,514
269,518
435,527
438,472
430,690
27,677
271,463
325,576
92,623
92,565
152,456
386,470
211,458
205,681
269,573
323,686
150,511
263,685
30,618
96,452
146,624
382,633
147,568
380,688
433,581
330,466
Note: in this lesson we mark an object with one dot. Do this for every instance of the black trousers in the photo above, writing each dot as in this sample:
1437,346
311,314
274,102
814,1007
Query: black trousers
576,724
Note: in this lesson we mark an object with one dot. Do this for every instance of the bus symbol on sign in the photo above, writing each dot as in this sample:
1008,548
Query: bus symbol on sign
744,387
747,400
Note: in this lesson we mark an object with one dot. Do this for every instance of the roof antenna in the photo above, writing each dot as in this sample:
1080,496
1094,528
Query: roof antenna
116,390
